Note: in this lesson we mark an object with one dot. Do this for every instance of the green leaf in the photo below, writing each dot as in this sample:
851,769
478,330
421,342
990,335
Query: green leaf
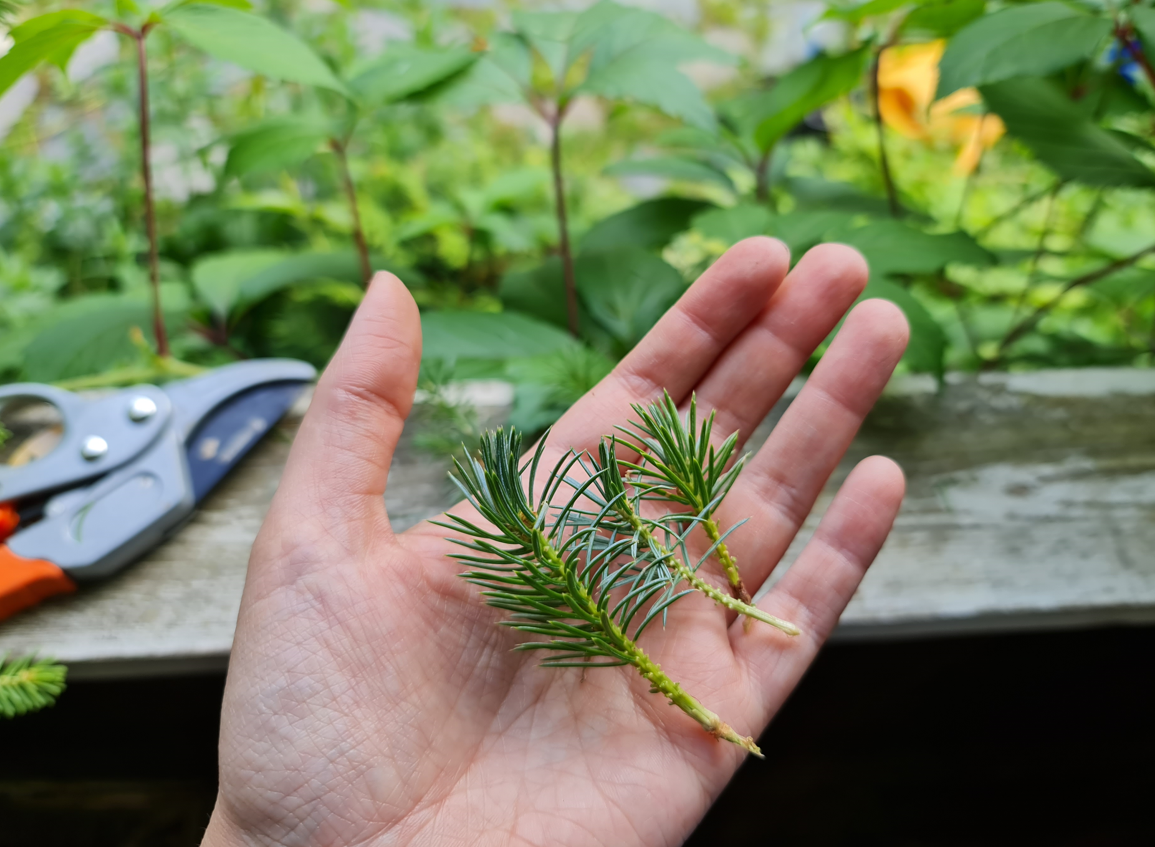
54,43
276,145
91,333
805,89
406,71
483,83
650,225
492,336
891,247
859,13
539,292
641,76
924,352
622,292
635,56
1031,40
232,283
254,43
679,168
732,225
942,19
217,278
815,194
801,230
548,34
1143,19
1057,131
626,291
546,386
243,5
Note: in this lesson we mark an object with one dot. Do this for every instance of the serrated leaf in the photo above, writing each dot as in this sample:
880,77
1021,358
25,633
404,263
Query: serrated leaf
805,89
1031,40
548,34
407,70
644,75
650,225
679,168
1057,131
924,352
492,336
252,42
277,144
495,78
732,225
635,56
942,19
891,248
54,44
622,292
626,291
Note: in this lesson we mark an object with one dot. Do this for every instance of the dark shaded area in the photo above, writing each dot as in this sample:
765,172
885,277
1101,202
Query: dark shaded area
1023,739
1019,739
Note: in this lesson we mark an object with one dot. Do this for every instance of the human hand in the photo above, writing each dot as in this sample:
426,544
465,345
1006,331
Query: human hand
372,700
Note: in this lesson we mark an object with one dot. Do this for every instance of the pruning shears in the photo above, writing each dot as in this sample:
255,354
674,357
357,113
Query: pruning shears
127,471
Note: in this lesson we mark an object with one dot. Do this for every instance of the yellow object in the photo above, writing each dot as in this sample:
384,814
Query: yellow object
907,79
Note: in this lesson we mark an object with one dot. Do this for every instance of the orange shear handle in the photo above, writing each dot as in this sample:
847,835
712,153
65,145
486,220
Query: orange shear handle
25,582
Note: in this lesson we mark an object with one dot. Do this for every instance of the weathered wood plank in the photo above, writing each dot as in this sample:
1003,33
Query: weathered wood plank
1031,504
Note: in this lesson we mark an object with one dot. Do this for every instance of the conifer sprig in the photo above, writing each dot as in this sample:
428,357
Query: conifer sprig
664,539
29,684
561,569
677,464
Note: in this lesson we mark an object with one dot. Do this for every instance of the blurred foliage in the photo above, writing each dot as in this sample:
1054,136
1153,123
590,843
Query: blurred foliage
1013,222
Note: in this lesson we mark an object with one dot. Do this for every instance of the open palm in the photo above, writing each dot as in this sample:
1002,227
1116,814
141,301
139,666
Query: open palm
372,700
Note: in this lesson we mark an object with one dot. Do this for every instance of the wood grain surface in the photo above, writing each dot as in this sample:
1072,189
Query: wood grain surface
1031,504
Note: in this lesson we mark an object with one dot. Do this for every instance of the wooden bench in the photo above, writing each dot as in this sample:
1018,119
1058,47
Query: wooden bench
1031,504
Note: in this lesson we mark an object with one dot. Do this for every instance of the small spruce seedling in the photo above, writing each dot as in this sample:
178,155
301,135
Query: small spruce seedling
29,685
584,566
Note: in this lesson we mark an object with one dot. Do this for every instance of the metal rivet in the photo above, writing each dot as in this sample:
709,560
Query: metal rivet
93,448
141,409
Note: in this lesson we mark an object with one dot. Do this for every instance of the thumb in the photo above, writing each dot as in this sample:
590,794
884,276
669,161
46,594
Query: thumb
339,464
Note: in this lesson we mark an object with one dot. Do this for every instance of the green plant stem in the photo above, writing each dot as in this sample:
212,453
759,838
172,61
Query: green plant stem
762,178
159,330
629,650
744,606
573,318
1028,323
162,368
729,563
883,158
351,195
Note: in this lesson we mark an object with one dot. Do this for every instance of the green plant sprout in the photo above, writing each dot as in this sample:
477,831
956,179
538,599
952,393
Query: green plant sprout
404,73
29,685
585,565
222,28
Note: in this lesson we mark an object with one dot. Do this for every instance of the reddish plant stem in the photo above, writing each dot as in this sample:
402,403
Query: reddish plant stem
573,319
158,327
351,196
